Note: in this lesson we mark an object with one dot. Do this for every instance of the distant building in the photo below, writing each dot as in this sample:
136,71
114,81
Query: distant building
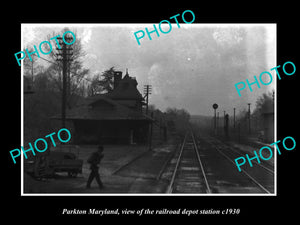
268,121
114,117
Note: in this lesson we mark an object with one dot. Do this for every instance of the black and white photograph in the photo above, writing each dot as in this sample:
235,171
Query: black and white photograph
148,111
129,109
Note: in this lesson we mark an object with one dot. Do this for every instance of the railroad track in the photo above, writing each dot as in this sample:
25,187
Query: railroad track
189,174
201,165
264,164
251,172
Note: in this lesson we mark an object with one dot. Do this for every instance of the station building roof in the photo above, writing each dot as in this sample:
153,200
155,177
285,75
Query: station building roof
100,107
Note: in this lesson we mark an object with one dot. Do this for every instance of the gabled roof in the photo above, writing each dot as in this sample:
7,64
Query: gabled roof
119,112
90,108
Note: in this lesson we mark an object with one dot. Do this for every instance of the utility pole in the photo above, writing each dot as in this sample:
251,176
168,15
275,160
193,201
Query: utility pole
151,132
224,117
65,58
215,106
147,92
249,117
32,71
233,117
218,122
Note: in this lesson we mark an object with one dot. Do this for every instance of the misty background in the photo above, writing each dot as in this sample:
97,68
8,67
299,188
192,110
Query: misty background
191,67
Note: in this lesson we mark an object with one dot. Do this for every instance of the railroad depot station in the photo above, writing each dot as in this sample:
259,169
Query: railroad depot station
114,117
143,151
114,136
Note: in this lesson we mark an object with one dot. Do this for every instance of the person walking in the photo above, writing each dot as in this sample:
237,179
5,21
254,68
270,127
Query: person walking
94,161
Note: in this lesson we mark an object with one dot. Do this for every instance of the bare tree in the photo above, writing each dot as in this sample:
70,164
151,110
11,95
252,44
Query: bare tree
75,72
94,87
31,67
264,104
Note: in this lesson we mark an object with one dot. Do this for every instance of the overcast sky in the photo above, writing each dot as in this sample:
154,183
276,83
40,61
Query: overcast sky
191,67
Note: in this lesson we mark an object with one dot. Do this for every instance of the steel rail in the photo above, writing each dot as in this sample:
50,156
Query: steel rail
170,187
167,162
266,168
199,160
252,178
260,165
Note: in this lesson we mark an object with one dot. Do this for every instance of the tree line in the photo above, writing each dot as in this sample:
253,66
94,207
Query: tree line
45,80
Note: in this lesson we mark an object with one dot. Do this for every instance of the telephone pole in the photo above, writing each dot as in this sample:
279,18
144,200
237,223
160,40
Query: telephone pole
215,106
218,122
64,56
224,118
249,114
147,92
234,118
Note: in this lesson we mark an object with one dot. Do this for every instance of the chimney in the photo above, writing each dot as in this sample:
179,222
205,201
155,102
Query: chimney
117,78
